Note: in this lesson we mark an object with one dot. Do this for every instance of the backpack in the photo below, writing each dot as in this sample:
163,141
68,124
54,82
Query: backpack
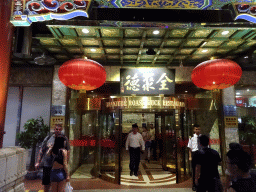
43,145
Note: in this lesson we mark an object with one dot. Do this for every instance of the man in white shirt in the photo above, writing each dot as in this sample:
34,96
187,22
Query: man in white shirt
133,143
194,145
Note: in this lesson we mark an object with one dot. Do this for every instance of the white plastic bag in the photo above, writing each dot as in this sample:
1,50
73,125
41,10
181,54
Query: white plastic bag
68,188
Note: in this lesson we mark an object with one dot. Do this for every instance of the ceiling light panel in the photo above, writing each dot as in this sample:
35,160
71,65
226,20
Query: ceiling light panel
133,32
92,32
178,32
108,32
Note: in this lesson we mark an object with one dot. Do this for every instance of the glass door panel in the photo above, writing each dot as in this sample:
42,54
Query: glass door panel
166,140
170,141
182,151
109,134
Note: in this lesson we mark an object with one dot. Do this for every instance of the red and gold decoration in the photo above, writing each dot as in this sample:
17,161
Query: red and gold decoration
82,74
216,74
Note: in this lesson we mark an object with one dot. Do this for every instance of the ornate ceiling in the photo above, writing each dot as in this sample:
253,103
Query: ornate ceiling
127,46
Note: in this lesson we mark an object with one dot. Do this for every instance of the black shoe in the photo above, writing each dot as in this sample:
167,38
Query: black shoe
148,161
194,188
131,173
136,174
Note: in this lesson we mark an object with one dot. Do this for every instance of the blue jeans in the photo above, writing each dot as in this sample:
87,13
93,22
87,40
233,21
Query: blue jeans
58,175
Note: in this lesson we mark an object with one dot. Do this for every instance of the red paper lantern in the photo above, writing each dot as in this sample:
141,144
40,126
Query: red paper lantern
82,74
216,74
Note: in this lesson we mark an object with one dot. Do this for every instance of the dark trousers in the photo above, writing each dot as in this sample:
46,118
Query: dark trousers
153,148
134,159
210,185
193,164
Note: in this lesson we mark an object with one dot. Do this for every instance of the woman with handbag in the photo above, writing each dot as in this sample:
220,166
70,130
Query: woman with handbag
59,173
146,137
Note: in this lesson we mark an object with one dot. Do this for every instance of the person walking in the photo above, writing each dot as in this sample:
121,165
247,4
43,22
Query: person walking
152,133
239,163
207,176
59,173
47,161
133,143
228,178
193,145
146,138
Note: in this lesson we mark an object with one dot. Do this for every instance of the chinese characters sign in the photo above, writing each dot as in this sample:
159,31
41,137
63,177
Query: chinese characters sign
231,122
147,81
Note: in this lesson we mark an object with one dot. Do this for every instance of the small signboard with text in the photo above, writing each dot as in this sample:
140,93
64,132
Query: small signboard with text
57,120
231,122
147,81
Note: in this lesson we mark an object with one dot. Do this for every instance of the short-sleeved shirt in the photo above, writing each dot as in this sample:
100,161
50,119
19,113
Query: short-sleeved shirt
193,143
209,160
47,161
152,134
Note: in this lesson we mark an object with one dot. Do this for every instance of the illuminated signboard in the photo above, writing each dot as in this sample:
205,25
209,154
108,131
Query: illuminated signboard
147,81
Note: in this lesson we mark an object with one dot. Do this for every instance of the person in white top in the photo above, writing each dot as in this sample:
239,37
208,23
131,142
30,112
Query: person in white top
146,137
152,132
133,143
193,145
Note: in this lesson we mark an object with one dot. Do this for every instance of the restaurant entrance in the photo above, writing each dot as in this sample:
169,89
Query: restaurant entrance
167,156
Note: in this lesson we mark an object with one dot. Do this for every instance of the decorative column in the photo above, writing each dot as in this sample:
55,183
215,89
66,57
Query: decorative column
59,94
6,35
230,116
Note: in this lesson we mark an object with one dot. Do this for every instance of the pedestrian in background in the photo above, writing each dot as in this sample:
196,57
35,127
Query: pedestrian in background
239,163
207,176
152,132
232,146
146,138
134,143
47,161
194,146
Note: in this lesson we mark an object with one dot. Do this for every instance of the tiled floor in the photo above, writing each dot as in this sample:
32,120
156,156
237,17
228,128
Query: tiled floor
151,175
131,190
99,184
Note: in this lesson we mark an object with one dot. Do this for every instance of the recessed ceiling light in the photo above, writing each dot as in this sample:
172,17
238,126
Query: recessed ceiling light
237,93
85,31
156,32
246,57
213,82
248,89
83,81
186,91
225,32
204,51
93,50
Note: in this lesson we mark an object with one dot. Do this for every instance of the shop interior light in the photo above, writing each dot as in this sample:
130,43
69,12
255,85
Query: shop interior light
204,51
248,89
93,50
237,93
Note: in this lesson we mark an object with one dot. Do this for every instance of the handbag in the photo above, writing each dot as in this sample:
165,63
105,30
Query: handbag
68,187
